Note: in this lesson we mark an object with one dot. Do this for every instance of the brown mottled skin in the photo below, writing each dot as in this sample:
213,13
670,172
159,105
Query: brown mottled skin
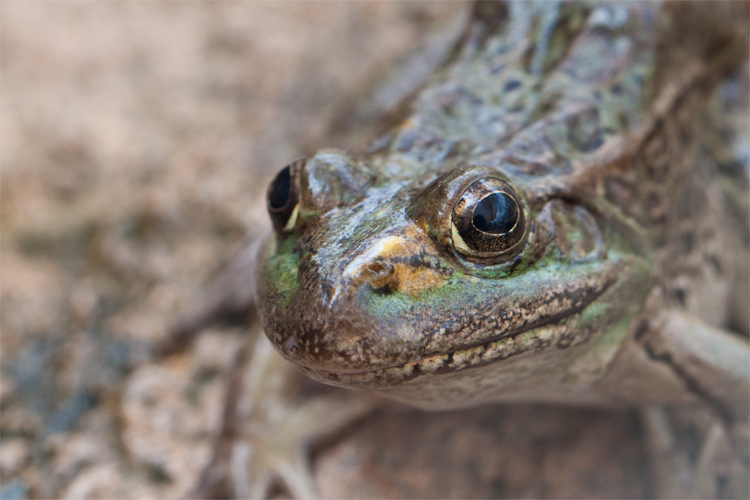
618,133
596,125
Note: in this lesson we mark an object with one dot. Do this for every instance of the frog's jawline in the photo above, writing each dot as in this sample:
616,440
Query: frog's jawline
447,359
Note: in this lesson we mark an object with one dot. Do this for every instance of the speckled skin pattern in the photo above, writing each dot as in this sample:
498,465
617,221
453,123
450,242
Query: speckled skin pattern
601,129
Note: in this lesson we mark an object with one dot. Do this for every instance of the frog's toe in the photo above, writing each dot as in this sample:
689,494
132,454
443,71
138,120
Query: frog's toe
270,426
693,455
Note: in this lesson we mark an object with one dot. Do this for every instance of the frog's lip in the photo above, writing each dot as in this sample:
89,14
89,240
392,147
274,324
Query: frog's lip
387,376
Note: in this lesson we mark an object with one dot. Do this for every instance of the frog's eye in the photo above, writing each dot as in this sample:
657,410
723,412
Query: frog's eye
488,221
282,200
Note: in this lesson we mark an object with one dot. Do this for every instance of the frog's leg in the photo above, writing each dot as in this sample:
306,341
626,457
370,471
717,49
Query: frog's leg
270,427
700,451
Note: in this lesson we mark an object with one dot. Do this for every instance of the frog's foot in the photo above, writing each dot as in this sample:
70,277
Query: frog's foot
270,428
228,297
280,450
700,450
693,455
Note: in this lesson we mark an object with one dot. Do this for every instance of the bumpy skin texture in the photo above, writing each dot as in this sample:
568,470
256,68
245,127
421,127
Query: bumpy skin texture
597,124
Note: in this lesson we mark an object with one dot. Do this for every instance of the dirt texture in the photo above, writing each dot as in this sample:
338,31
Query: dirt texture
137,142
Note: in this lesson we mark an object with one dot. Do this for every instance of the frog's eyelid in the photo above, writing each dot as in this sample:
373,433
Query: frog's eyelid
458,242
285,216
292,219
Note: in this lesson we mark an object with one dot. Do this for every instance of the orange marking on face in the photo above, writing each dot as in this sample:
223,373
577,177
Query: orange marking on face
415,280
385,264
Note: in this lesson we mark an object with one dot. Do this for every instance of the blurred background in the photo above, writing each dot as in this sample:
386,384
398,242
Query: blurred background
137,140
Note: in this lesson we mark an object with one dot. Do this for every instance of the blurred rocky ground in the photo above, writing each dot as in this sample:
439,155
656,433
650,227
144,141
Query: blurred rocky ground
137,141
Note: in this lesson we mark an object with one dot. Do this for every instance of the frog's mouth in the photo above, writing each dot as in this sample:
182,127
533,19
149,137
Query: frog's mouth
549,331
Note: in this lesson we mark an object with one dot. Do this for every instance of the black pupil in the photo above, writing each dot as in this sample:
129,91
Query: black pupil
279,195
496,213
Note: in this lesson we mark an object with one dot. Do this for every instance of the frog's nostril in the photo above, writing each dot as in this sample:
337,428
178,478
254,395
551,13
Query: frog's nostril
382,276
380,269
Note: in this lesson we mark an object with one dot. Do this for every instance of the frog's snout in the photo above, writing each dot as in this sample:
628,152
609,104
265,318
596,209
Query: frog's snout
396,263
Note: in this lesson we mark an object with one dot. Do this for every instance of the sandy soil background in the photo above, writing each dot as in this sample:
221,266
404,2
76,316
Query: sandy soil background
137,141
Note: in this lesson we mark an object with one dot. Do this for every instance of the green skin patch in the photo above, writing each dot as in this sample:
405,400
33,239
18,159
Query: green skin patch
282,264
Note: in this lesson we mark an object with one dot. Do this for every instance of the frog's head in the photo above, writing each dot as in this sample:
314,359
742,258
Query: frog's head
380,274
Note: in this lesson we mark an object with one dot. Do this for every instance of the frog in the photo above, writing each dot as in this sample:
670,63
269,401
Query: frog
558,215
